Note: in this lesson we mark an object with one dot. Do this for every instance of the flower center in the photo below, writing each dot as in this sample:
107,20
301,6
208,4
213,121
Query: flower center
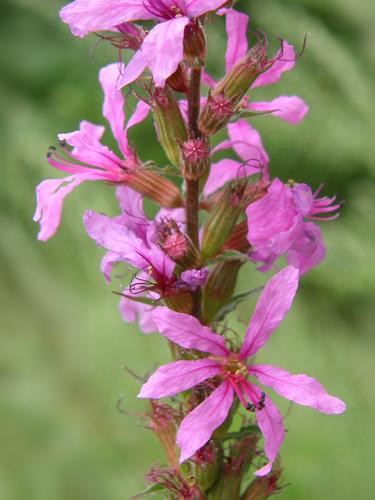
162,9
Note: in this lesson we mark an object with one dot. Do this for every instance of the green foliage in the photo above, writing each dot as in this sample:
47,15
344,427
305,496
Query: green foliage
63,341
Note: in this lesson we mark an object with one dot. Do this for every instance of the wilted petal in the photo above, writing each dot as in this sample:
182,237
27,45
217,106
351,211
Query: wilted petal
186,331
162,51
272,307
300,389
50,195
197,427
308,250
87,16
285,60
179,376
88,149
291,109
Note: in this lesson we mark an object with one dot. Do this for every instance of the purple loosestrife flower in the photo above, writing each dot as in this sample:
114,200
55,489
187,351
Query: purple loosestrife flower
231,369
89,159
277,226
163,48
291,109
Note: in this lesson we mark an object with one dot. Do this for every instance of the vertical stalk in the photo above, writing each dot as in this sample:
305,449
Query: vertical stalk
192,186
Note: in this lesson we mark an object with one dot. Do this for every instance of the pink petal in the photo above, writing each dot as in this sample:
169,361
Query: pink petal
272,307
114,101
141,112
308,250
196,8
161,51
247,142
109,260
285,60
186,331
88,149
291,109
208,79
237,26
274,221
197,427
222,172
87,16
179,376
270,422
132,311
50,195
300,389
131,204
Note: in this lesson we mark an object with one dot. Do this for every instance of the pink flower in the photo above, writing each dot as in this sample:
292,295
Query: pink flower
89,159
277,226
163,48
288,108
230,370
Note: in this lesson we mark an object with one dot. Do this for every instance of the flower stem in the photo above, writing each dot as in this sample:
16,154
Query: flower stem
192,186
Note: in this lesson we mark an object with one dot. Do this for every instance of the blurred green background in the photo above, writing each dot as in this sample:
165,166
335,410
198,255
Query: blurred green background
63,342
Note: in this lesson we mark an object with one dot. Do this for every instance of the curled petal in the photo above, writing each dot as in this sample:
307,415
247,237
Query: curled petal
197,427
162,51
186,331
300,389
50,195
87,147
285,60
272,307
173,378
291,109
308,250
87,16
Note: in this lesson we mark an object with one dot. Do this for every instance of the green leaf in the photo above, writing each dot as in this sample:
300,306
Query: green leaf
154,488
233,303
251,114
141,300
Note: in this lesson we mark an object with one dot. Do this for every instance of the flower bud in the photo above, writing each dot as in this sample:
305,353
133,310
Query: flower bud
223,218
205,466
164,422
194,43
177,245
263,487
219,289
238,239
155,187
228,93
180,301
195,158
169,123
178,81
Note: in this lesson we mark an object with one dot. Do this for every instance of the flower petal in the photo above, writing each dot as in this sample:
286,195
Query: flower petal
236,25
132,311
186,331
50,195
272,307
222,172
114,101
88,149
247,142
197,427
285,60
291,109
87,16
179,376
300,389
162,51
196,8
308,250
